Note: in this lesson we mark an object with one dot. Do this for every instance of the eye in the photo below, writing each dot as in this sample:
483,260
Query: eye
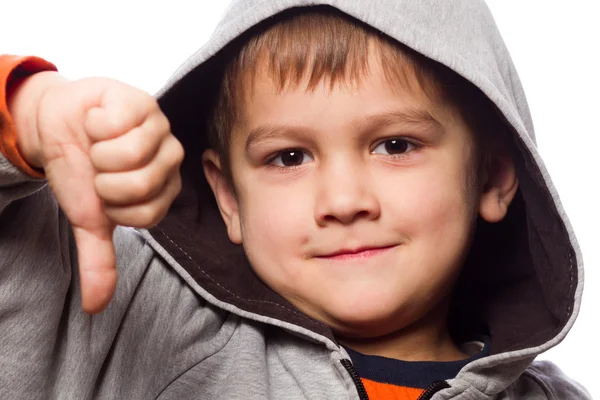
393,147
291,158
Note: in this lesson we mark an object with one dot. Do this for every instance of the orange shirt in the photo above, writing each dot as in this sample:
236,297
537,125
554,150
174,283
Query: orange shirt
386,391
389,379
13,70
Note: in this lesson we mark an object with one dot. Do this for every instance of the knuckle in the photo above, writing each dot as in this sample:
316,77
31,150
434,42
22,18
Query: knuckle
142,146
147,104
148,101
134,153
148,216
158,127
176,151
180,152
163,122
167,123
140,187
118,120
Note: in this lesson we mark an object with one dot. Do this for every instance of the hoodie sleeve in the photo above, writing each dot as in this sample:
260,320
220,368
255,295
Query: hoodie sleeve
544,380
155,328
13,69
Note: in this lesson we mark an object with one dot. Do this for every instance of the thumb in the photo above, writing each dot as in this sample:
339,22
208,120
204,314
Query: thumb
71,177
98,274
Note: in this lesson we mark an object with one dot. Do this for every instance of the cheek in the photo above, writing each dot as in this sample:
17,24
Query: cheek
433,208
275,225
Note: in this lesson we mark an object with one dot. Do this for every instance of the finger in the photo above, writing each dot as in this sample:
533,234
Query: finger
97,268
132,150
141,185
122,108
146,215
71,177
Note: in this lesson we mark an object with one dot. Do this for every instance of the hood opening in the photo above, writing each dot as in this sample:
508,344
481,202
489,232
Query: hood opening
518,283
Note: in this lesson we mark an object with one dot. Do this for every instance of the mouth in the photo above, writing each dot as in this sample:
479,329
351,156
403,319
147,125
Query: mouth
353,254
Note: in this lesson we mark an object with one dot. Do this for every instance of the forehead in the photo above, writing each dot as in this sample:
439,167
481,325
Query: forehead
378,64
323,47
339,103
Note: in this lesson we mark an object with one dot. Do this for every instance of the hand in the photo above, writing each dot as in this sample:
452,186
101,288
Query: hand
110,159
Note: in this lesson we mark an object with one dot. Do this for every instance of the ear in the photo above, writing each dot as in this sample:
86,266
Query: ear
226,200
499,187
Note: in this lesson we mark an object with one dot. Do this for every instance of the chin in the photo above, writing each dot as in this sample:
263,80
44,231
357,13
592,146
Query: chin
368,320
365,329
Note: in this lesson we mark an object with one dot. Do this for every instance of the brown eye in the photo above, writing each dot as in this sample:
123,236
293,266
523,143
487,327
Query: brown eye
291,158
393,147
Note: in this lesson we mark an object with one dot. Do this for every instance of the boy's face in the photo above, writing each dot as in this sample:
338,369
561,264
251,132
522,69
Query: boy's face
353,203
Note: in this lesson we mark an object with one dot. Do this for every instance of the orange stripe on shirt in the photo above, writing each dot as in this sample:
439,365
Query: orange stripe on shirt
385,391
13,70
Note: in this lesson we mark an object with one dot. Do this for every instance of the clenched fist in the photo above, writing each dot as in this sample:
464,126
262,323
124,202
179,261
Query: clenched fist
109,157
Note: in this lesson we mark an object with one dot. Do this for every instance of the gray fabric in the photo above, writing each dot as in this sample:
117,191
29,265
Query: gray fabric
165,337
157,339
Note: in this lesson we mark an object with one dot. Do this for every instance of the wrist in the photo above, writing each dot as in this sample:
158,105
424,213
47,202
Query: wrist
23,100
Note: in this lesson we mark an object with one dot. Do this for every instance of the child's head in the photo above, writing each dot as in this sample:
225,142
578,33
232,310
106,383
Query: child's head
353,169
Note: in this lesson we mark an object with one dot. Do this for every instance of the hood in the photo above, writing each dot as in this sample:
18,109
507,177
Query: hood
523,279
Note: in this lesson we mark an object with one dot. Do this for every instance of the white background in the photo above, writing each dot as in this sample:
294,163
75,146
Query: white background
555,46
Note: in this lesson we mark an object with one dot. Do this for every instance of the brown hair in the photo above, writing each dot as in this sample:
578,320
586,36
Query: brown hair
321,44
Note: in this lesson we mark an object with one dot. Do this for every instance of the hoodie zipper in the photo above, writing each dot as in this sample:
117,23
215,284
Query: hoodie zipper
433,389
362,392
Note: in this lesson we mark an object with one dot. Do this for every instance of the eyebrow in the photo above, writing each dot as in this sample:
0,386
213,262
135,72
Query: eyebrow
408,116
412,117
267,132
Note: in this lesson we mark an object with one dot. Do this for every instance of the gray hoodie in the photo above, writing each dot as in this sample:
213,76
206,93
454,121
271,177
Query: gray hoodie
191,320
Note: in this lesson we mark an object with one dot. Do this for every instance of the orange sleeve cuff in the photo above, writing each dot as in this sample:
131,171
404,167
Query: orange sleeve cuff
13,70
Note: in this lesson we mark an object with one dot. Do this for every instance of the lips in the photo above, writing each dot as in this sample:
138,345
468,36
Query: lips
358,253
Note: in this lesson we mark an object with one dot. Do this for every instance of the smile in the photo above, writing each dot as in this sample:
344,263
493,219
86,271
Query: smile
361,253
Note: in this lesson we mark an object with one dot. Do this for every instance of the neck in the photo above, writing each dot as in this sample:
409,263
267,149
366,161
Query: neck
427,339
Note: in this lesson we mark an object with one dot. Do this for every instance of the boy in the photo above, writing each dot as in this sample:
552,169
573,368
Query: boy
388,228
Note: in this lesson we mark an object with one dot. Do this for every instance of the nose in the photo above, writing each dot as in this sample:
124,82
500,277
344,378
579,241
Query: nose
345,195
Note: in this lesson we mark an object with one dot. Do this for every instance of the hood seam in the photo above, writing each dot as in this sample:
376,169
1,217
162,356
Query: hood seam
232,293
571,292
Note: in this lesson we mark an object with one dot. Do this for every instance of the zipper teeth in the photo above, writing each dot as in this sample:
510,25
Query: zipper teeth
433,389
362,392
